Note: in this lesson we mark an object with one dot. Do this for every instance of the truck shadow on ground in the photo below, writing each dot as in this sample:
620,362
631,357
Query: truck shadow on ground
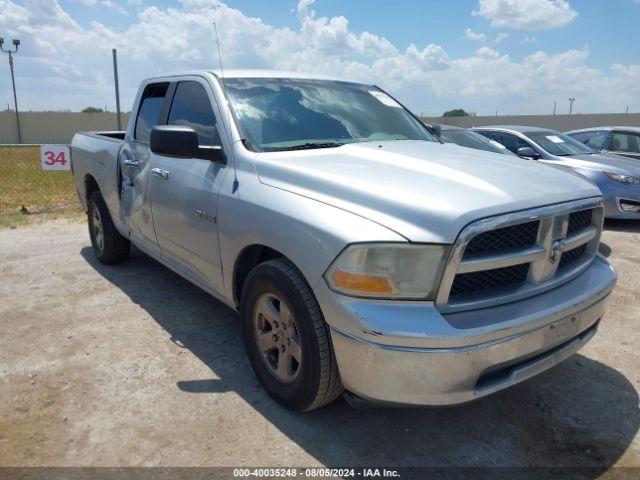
581,413
632,226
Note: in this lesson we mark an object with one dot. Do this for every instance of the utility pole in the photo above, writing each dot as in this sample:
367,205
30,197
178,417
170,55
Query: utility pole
571,100
115,79
16,44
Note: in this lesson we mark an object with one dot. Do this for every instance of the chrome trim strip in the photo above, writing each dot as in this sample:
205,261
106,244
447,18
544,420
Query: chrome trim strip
554,220
508,259
580,238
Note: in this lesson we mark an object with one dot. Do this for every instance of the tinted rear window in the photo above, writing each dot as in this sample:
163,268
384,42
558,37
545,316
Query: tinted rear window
150,110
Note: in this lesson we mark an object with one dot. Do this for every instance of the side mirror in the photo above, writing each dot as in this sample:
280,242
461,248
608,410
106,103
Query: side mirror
181,142
437,129
528,152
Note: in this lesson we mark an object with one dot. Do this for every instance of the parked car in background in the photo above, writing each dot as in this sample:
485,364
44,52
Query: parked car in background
468,138
360,251
617,177
619,140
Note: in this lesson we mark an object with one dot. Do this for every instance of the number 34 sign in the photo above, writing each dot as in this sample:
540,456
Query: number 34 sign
55,157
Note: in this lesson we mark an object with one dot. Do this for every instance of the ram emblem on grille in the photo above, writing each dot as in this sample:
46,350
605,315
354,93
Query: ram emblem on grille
556,249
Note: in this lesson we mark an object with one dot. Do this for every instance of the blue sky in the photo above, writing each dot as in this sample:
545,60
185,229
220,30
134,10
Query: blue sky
514,56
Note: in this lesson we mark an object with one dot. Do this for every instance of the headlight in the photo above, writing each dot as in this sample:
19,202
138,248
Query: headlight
388,270
626,179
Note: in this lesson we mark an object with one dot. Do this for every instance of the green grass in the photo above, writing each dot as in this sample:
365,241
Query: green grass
24,184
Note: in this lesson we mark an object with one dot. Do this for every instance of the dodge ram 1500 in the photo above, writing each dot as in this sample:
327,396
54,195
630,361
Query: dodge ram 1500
362,253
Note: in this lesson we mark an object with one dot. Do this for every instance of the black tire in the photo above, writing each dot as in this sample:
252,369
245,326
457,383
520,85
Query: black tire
318,381
113,248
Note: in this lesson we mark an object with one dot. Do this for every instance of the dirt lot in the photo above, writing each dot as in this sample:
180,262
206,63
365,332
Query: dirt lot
133,366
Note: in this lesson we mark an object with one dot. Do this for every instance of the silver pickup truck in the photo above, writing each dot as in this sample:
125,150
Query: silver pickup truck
362,253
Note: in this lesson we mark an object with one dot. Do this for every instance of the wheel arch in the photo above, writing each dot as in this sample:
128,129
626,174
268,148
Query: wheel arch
90,185
248,258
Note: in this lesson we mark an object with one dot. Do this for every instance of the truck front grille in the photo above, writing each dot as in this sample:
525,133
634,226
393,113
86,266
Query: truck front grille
502,259
466,283
516,236
570,257
579,220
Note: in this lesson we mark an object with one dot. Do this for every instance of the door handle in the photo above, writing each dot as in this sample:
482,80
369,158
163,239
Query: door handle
130,163
160,173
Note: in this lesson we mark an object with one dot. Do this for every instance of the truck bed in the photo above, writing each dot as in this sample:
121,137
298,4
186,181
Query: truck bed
111,135
94,157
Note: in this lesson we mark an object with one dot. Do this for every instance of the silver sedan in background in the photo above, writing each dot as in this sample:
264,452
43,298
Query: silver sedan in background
617,177
618,140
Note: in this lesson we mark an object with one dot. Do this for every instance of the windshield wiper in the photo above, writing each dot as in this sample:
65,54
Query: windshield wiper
307,146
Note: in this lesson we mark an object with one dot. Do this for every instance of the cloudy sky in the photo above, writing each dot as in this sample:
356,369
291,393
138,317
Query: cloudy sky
513,56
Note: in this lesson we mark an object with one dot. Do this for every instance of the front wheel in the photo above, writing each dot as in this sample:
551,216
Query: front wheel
286,337
108,245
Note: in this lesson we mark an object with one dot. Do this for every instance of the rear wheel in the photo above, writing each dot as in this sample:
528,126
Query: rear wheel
108,245
286,337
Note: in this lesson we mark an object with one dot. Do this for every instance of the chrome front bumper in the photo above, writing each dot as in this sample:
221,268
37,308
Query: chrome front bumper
409,353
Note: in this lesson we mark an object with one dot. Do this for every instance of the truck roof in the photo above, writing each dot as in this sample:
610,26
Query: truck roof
256,73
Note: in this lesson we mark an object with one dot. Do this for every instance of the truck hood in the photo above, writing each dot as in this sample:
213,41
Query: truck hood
604,162
425,191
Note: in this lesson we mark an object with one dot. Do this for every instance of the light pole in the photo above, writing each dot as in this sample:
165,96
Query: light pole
115,80
571,100
16,44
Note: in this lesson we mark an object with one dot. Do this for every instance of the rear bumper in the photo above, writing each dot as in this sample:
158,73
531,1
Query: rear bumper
425,358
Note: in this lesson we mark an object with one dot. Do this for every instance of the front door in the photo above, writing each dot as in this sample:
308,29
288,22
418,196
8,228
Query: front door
184,192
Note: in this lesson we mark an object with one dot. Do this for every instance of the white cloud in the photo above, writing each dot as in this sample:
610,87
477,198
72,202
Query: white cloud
302,9
526,14
501,37
476,37
75,69
525,39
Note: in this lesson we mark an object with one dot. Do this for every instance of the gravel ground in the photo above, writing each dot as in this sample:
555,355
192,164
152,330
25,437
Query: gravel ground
133,366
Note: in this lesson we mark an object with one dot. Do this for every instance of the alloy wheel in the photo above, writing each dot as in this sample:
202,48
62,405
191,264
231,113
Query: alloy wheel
276,336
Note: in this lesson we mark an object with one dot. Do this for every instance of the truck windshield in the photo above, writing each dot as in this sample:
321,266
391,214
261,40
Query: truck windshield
559,144
290,114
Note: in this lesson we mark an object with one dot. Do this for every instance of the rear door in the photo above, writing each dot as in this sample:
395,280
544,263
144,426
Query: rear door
184,192
135,166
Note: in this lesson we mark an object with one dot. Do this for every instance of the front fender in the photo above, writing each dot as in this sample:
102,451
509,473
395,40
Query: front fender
308,232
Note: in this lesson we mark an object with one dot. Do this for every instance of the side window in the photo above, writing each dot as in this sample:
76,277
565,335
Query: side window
191,107
596,140
150,110
581,137
512,142
625,142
